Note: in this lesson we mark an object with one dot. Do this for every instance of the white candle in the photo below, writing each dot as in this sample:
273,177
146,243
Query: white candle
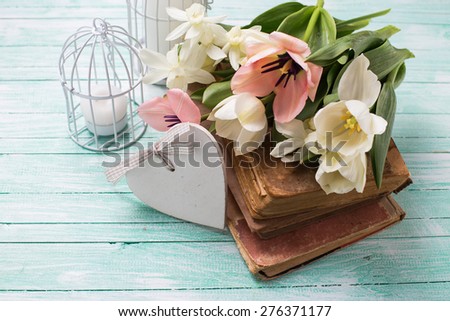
158,25
102,109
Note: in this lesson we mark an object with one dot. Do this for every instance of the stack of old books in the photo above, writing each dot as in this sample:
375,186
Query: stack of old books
281,219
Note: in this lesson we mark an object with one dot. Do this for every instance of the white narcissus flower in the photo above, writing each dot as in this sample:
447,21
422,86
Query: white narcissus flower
238,39
194,22
242,119
296,133
350,120
340,174
181,66
212,39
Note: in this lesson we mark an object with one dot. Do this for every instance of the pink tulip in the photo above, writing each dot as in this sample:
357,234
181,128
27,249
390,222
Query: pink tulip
279,67
162,113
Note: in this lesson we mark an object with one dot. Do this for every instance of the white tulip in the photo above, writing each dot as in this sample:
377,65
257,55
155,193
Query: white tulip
345,130
295,132
340,174
350,120
242,119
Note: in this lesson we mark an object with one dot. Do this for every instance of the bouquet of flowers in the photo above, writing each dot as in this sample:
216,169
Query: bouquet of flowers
322,88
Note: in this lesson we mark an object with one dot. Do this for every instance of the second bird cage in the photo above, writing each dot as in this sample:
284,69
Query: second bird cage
148,21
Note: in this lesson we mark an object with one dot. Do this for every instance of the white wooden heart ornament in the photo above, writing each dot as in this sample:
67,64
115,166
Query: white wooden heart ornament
189,186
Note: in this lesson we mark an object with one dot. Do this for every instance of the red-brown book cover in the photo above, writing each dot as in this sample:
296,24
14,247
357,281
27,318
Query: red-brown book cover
269,258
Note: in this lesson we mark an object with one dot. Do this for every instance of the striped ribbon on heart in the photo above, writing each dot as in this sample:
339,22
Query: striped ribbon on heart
167,145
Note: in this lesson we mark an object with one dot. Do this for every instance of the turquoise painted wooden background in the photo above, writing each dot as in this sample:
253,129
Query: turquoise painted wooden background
65,233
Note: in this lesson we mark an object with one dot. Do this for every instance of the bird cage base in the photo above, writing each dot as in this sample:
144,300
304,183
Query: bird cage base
133,128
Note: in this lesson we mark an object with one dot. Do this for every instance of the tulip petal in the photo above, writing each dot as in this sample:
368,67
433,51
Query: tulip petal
227,111
330,116
371,124
250,79
153,112
259,50
183,106
290,100
285,147
355,171
250,112
290,43
315,73
248,141
229,129
292,129
359,83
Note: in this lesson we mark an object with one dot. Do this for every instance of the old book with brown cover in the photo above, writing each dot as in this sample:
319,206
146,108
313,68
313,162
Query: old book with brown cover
273,190
267,228
278,255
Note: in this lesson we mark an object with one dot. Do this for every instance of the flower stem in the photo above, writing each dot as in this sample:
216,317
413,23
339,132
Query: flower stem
313,20
204,117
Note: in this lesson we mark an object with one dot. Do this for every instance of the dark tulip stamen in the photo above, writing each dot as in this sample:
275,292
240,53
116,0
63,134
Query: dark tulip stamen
279,64
172,119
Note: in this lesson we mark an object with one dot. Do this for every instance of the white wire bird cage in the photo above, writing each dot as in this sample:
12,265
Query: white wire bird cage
148,21
101,76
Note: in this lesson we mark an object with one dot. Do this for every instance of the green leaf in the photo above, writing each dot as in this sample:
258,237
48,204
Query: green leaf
386,58
198,94
345,30
272,18
324,31
216,92
386,106
399,76
297,23
345,27
224,73
312,24
331,98
359,42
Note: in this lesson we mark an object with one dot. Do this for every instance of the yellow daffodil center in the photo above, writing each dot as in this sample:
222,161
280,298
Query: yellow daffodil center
350,123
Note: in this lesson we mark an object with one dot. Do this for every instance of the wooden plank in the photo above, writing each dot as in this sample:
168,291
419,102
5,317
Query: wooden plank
417,13
358,292
18,65
25,125
175,232
157,266
77,208
109,233
34,33
422,145
50,99
126,208
38,174
66,146
423,204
